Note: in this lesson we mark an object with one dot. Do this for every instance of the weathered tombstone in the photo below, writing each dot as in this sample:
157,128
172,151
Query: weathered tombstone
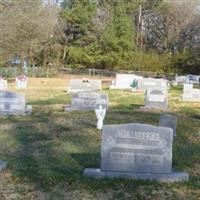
124,81
182,79
3,84
137,151
100,114
86,101
3,165
21,82
169,121
187,87
149,83
13,104
194,79
190,93
156,98
84,85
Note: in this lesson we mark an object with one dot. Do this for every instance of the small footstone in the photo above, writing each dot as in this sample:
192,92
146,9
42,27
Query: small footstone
3,165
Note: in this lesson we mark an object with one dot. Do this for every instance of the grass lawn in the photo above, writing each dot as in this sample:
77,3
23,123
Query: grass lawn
48,151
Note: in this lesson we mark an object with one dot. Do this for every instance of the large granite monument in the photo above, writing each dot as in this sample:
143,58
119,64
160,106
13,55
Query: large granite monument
86,101
137,151
13,104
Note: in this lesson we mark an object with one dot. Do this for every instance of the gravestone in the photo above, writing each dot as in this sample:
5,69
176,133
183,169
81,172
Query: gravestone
194,78
84,85
149,83
182,79
125,81
3,84
190,93
137,151
86,101
3,165
13,104
156,98
21,82
169,121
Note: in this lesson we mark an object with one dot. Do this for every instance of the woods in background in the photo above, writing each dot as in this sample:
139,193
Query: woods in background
156,35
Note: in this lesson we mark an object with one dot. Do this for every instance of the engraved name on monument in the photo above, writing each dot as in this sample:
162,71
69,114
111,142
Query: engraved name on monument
136,148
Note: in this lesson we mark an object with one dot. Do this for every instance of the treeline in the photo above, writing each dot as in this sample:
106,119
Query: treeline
142,35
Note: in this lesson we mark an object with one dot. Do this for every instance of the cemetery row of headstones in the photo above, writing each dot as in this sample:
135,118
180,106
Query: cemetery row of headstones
21,82
187,79
138,151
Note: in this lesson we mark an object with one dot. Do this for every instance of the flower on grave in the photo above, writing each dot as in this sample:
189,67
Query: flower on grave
1,78
134,83
21,78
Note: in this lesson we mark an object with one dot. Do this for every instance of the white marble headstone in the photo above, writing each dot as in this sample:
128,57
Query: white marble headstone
3,84
124,81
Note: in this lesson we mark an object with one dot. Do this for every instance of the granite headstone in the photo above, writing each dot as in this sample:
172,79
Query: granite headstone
13,104
149,83
86,101
84,85
156,98
137,151
168,121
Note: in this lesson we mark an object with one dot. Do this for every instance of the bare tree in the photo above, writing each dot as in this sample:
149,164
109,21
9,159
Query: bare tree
26,28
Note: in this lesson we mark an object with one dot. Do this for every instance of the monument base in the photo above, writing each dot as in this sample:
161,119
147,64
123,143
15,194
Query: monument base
3,165
166,178
27,111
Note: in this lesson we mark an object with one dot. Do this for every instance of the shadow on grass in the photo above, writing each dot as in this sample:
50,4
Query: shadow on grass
62,99
50,151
